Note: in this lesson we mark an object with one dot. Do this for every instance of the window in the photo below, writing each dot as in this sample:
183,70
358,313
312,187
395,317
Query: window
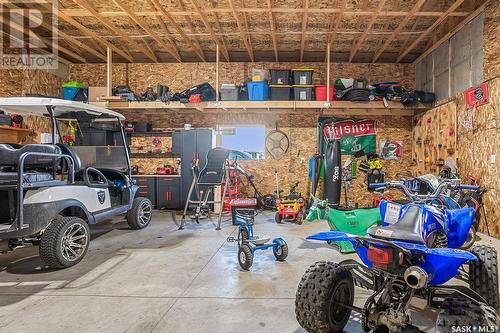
245,142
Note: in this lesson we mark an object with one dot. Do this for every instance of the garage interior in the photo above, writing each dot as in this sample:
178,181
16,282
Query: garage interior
140,58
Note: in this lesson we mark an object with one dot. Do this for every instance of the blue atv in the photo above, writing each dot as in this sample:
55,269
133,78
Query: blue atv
397,265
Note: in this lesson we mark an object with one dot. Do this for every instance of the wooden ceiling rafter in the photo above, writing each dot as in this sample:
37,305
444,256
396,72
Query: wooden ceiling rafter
148,30
177,28
213,3
245,20
272,23
150,53
211,30
399,28
192,29
362,38
95,37
108,24
335,22
436,23
240,29
304,28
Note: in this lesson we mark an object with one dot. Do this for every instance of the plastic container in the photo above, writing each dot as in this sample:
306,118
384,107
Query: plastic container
229,92
259,75
280,92
258,91
302,76
302,92
76,94
280,76
320,92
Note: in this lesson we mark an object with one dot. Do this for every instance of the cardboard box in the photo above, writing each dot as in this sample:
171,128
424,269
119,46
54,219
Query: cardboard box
96,93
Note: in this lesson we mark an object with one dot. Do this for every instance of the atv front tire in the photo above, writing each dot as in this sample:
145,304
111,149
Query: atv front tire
321,291
139,216
459,312
483,274
65,242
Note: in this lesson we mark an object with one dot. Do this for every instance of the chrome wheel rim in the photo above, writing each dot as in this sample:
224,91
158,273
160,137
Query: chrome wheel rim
243,257
74,242
144,213
279,251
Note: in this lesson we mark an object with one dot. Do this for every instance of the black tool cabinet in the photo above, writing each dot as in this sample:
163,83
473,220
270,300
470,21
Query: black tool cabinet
163,191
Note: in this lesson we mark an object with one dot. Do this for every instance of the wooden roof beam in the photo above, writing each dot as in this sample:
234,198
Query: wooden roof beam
439,20
169,38
191,28
210,29
213,3
400,27
273,30
362,38
92,34
469,18
107,23
335,22
159,8
304,27
242,34
148,30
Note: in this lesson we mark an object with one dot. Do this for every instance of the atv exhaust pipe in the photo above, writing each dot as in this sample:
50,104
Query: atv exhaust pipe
416,277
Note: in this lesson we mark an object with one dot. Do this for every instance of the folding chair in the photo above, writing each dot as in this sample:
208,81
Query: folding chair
215,173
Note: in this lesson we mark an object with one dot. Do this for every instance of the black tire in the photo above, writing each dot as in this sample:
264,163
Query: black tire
244,234
459,312
471,238
55,247
483,274
245,257
281,252
277,217
322,286
139,216
268,201
299,218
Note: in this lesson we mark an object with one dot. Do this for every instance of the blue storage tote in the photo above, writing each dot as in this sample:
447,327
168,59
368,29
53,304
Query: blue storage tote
76,94
258,91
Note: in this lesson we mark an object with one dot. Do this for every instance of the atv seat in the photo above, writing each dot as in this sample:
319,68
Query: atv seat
408,228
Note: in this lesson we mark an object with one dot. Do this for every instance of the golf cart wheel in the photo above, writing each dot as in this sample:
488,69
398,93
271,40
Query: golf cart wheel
459,312
281,251
139,216
321,295
245,257
277,217
64,242
483,274
471,238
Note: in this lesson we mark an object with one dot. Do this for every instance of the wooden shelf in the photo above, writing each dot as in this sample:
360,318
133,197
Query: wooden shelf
13,135
154,155
333,108
152,133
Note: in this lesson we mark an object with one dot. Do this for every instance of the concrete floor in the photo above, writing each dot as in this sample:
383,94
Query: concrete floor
161,279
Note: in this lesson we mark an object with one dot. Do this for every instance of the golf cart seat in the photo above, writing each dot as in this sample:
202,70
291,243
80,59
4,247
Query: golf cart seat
10,178
66,150
408,228
213,172
9,156
260,240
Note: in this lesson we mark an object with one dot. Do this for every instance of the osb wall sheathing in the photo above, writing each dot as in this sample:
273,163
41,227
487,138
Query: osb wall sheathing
491,41
434,138
475,147
301,131
182,76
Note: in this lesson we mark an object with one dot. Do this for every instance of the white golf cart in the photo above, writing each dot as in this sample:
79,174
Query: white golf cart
50,193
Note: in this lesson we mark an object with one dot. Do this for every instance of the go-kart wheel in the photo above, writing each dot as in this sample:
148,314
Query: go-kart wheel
139,216
277,217
244,234
281,251
321,295
245,257
299,218
471,238
483,274
65,242
460,312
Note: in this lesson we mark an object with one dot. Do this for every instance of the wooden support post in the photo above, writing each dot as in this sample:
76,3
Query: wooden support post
327,103
217,72
109,73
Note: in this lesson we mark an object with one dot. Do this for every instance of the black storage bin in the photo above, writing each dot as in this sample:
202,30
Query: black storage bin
142,127
280,76
280,92
5,119
302,93
302,76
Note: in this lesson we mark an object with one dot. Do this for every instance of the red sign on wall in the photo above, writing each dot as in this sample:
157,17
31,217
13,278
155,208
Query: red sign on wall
476,96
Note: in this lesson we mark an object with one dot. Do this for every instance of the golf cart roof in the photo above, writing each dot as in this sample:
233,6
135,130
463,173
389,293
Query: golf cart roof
38,106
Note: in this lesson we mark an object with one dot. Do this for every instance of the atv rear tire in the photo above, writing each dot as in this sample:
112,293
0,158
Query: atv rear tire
460,312
483,274
323,286
65,242
139,216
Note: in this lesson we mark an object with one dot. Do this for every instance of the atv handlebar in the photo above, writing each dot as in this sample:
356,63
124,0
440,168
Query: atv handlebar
469,187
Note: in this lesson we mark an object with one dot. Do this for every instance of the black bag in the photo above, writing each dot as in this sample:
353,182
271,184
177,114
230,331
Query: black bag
206,91
375,177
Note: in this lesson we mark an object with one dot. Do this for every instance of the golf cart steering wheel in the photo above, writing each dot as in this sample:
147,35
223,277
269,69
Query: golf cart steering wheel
101,179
